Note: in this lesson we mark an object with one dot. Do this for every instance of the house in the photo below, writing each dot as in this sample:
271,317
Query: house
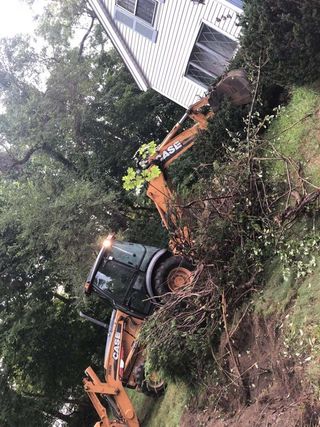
176,47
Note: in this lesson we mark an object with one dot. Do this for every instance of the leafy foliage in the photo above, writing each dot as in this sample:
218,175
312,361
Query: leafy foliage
284,35
135,179
68,129
241,215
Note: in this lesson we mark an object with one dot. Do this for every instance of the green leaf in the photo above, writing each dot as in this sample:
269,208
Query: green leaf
147,150
134,180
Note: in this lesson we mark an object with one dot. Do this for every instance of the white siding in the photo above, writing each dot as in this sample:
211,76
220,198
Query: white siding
178,23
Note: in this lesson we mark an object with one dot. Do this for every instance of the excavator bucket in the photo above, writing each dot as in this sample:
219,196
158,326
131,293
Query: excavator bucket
233,86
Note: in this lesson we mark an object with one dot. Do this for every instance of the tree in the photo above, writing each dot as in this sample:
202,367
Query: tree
283,35
65,144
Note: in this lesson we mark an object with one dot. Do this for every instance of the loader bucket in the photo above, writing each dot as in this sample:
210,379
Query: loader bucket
233,86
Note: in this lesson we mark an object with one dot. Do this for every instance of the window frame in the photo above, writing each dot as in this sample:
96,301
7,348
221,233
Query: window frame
237,3
205,48
137,24
135,12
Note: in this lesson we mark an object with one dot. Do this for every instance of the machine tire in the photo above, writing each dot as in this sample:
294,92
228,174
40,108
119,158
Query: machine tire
163,271
147,387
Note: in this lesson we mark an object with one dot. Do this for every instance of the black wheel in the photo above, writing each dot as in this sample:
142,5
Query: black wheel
152,386
172,274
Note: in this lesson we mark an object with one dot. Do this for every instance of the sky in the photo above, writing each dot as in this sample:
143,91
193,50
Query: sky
16,17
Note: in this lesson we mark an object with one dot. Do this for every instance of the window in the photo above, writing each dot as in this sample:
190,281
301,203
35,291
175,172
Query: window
138,15
210,55
122,285
138,300
113,278
128,253
143,9
237,3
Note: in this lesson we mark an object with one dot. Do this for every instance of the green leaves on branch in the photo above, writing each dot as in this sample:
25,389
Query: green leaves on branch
134,179
283,35
146,150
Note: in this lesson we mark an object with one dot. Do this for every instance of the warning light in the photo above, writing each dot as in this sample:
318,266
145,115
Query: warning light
107,243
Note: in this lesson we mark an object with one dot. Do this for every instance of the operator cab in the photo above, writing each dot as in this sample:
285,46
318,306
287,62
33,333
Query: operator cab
119,276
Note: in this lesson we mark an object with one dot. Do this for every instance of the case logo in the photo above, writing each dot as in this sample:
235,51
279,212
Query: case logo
116,346
172,149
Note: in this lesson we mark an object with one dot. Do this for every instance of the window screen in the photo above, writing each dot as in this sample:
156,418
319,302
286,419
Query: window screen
145,10
210,55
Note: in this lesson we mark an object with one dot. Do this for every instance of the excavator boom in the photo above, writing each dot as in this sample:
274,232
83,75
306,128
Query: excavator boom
233,86
94,387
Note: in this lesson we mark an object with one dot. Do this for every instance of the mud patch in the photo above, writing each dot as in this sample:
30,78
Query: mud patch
271,391
293,414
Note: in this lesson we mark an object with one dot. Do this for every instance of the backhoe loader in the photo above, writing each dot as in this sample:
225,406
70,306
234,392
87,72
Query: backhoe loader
132,277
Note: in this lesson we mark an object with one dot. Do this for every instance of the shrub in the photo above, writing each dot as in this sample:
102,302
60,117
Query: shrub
285,34
210,145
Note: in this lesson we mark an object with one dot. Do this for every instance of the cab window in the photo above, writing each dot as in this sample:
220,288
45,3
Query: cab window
128,253
138,300
114,279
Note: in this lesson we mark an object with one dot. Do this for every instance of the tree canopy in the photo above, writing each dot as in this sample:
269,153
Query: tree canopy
70,123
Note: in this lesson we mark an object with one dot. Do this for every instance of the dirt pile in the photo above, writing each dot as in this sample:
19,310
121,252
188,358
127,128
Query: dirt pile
271,390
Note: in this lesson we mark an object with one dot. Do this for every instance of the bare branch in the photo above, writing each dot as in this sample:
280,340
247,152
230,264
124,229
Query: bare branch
81,48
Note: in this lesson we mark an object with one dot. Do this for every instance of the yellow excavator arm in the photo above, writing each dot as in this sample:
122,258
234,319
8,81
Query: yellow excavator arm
121,355
94,387
234,86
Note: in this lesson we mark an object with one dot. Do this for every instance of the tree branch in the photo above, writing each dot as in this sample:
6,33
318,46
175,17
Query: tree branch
85,37
26,157
9,162
59,157
62,298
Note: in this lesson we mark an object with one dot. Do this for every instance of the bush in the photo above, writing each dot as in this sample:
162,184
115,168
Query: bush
285,34
178,337
210,146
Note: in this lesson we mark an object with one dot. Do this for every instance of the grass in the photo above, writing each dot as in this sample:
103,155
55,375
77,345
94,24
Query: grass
165,411
296,132
302,326
296,305
277,293
143,405
293,299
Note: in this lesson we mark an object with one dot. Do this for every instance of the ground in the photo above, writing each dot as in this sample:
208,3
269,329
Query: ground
271,373
153,412
272,391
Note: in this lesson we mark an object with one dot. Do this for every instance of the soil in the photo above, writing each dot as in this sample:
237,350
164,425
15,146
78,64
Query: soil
271,390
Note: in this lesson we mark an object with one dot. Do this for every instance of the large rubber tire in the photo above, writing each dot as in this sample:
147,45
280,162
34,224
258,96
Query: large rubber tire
149,388
165,268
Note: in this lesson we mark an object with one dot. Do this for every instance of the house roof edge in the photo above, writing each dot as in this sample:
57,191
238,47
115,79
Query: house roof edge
116,38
